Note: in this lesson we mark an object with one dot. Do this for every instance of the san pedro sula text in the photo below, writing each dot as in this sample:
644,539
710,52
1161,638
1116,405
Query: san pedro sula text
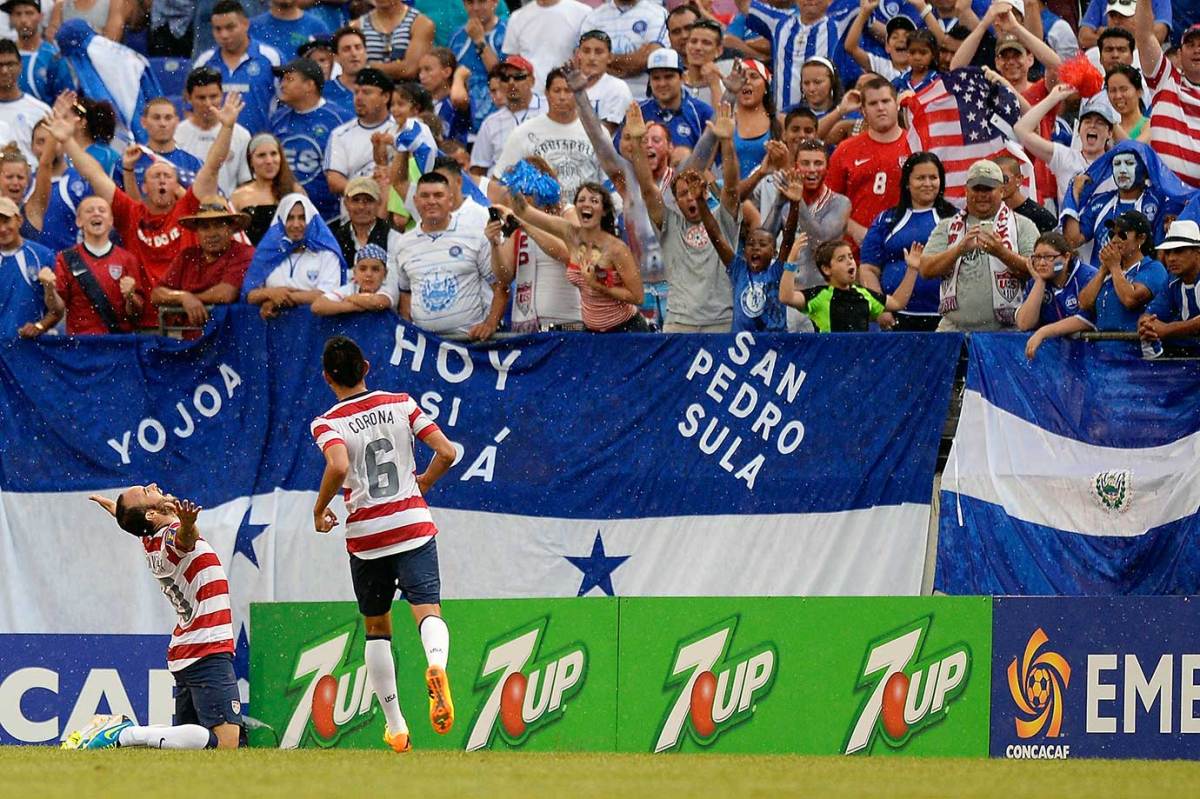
744,397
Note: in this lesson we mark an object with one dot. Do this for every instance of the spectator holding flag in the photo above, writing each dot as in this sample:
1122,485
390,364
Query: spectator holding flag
1174,123
303,124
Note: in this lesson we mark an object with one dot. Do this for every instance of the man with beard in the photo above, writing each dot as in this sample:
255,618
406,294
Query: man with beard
150,228
980,256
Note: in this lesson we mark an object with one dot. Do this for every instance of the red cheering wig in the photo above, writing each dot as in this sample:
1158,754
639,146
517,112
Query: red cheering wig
1082,74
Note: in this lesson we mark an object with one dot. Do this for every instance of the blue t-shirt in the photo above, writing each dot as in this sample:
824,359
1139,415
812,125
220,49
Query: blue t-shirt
756,305
685,125
449,16
285,35
252,77
750,152
338,95
45,74
304,137
884,248
186,167
1183,300
58,224
1110,314
1096,15
21,296
477,83
1061,303
1107,205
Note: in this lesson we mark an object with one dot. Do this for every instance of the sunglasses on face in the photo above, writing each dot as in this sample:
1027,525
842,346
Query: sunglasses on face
512,77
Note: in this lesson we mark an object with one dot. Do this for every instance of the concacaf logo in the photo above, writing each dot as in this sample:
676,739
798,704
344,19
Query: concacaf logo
1038,687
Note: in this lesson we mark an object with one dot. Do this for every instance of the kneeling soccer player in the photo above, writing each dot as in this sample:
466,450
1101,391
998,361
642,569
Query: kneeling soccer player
367,439
208,712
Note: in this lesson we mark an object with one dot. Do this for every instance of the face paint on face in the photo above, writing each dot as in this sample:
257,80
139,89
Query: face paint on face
1124,169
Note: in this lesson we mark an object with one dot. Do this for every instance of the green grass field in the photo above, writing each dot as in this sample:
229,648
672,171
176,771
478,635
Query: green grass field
41,772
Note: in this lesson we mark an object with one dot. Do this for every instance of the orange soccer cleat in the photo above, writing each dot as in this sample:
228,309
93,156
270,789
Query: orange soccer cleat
441,706
400,742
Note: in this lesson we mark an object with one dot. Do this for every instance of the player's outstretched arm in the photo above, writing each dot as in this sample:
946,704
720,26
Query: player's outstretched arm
337,465
109,505
443,459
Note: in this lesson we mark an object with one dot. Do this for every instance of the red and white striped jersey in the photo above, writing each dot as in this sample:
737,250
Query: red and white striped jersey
195,585
1175,121
387,513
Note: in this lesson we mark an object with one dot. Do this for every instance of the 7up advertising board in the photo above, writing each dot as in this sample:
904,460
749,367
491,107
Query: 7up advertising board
537,675
862,676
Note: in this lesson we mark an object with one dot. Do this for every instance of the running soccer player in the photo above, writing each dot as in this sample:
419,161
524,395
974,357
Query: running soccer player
367,439
208,710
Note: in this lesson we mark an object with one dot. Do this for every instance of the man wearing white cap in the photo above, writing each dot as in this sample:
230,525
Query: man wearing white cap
1119,13
1180,253
980,256
685,117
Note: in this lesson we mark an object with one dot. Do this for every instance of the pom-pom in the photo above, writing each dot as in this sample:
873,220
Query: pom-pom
1080,73
524,178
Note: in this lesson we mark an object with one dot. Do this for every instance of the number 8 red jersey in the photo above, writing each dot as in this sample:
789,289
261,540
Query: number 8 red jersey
868,172
387,513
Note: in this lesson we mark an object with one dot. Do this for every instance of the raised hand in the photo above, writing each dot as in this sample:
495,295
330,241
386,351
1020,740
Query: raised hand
693,183
791,186
1063,91
228,113
63,123
576,80
1111,256
912,255
736,78
778,157
722,124
109,505
132,154
635,124
187,511
492,231
475,30
851,101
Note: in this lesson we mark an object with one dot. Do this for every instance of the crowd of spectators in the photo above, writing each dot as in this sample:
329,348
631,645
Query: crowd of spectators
612,166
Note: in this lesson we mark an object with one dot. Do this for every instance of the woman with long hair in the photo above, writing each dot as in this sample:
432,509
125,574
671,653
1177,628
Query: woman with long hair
271,180
754,118
601,265
397,36
903,229
1124,87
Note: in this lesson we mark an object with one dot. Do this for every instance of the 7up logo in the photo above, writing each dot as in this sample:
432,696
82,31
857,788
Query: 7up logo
910,689
528,690
334,693
716,691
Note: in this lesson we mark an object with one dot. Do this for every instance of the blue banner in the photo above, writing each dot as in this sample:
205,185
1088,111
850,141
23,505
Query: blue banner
53,684
1075,473
1112,677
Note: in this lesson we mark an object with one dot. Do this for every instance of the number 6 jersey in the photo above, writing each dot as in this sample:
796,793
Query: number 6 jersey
387,513
194,583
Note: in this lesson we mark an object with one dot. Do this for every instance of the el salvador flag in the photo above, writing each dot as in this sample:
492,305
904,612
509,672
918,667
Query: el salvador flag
106,70
1076,473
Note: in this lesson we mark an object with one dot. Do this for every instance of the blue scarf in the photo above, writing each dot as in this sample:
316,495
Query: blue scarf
275,246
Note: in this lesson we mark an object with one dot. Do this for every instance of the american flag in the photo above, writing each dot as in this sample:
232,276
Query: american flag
963,117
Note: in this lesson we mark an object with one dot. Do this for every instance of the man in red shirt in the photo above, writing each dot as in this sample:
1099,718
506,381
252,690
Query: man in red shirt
211,272
150,229
866,168
101,287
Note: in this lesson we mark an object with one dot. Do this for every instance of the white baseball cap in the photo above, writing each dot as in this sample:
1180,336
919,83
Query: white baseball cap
1125,8
664,58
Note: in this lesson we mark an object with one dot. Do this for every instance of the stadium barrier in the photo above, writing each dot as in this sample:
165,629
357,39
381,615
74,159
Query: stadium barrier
1026,678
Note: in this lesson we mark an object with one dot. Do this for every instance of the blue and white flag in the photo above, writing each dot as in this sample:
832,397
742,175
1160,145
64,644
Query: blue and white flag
107,70
1078,473
589,465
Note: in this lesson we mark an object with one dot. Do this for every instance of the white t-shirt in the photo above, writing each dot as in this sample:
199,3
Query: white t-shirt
630,29
21,115
565,147
1066,163
610,98
307,270
349,151
496,127
235,171
449,275
545,35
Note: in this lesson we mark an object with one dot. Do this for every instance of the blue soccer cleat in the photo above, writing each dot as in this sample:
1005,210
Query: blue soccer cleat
105,736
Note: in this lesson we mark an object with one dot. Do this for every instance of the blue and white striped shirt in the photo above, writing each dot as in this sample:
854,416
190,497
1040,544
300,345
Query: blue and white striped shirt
1184,299
793,43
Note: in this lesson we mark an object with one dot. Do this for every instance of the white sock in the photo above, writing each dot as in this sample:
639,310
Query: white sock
435,636
381,671
160,736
